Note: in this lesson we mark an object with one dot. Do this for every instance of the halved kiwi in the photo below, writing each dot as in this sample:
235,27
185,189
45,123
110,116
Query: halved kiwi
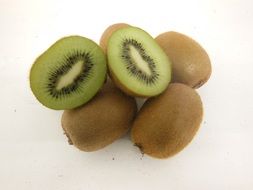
137,64
69,73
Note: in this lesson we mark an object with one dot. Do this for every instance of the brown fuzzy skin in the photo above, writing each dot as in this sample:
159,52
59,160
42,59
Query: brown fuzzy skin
122,87
107,34
190,62
104,119
168,122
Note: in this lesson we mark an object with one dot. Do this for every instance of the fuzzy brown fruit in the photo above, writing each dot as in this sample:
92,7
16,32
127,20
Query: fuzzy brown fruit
107,34
101,121
190,62
168,122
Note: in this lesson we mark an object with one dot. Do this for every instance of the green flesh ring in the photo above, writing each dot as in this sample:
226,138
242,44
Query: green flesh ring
69,73
137,62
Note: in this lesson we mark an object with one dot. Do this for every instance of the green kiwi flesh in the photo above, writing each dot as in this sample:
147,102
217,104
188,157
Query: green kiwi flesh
108,32
168,122
137,64
101,121
69,73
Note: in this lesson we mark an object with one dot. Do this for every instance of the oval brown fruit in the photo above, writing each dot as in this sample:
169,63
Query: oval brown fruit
104,119
190,62
108,32
168,122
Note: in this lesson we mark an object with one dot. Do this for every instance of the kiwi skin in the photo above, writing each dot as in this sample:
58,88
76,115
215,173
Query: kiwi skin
168,122
104,119
190,62
122,87
108,32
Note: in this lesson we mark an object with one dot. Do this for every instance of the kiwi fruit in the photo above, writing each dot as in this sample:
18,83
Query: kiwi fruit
69,73
137,64
108,32
168,122
104,119
190,62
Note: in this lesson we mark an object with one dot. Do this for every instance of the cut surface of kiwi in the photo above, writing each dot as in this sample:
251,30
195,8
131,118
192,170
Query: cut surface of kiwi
137,64
69,73
167,123
108,32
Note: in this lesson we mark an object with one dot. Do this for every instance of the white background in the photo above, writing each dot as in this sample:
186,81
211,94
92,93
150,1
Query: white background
34,153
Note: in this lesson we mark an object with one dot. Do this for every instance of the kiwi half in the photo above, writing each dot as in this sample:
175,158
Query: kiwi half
108,32
105,118
190,62
69,73
137,64
168,122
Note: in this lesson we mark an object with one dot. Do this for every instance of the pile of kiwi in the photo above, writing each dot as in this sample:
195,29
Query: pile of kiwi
97,85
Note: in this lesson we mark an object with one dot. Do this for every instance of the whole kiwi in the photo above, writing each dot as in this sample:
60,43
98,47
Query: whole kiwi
168,122
190,62
101,121
108,32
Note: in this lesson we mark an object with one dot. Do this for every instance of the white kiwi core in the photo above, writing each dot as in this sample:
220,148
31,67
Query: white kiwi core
70,76
138,60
